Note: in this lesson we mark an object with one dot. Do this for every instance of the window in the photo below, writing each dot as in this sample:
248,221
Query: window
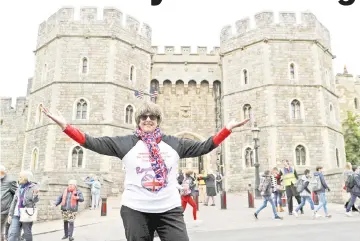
81,109
300,154
132,73
332,112
182,163
356,104
39,115
245,76
249,157
195,162
292,71
34,159
84,65
247,111
129,115
295,109
337,158
77,156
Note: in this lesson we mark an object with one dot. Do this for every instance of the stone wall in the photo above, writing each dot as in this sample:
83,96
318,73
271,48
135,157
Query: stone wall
335,180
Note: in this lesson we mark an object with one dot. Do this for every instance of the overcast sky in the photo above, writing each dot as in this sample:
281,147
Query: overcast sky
174,22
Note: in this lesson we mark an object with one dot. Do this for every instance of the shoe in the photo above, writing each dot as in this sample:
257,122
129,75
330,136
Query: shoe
213,204
328,216
71,239
205,204
278,218
290,213
197,222
349,214
302,211
316,215
295,214
255,215
65,237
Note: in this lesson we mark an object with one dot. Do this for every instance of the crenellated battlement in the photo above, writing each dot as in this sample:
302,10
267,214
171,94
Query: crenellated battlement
185,50
7,108
113,24
265,27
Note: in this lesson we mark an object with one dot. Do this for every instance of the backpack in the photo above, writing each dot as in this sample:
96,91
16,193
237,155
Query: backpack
186,189
299,184
180,178
263,187
315,184
350,182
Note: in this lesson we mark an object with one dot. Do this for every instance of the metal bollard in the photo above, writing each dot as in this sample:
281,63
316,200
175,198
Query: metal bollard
223,200
251,197
103,206
315,198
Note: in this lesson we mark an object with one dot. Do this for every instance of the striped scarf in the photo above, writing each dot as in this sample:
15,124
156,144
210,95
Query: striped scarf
157,162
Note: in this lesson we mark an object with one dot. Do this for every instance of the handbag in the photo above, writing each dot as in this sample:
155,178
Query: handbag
28,215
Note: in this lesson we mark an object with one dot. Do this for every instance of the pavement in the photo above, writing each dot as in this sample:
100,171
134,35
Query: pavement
234,223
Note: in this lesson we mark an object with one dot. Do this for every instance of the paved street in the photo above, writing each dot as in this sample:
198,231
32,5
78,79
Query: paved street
234,223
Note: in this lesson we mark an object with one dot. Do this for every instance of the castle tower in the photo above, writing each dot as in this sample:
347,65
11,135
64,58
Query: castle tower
87,69
281,75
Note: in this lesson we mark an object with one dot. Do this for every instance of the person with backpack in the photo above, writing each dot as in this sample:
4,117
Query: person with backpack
347,195
180,177
278,190
305,193
354,181
95,193
186,191
266,190
319,186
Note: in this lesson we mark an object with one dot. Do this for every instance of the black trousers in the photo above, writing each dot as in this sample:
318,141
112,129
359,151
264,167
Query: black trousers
140,226
289,195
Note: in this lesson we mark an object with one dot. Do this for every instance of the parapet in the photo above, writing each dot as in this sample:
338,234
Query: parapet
186,50
287,27
6,105
112,24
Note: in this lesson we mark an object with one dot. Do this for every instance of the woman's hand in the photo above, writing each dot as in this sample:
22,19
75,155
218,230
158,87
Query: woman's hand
234,124
58,119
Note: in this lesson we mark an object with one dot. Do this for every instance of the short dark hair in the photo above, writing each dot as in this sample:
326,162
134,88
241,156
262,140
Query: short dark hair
307,171
354,168
318,168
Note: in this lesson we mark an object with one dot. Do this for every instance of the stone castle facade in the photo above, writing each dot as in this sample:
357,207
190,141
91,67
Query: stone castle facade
280,74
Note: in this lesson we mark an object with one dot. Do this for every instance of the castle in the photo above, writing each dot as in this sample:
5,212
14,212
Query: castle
281,74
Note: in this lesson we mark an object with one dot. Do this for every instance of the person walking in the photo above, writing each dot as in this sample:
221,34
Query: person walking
150,201
69,201
305,193
8,189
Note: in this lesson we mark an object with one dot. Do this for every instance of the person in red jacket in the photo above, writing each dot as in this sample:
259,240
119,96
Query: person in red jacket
150,201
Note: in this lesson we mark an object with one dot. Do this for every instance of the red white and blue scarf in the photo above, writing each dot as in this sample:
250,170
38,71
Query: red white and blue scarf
157,162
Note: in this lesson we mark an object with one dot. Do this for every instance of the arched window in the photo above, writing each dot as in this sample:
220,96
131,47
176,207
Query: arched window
81,109
356,104
249,158
129,114
247,111
245,76
77,156
292,71
295,109
332,112
34,159
84,65
300,154
39,115
337,158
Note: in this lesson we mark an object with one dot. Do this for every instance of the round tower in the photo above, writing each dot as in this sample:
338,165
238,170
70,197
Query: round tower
281,74
88,69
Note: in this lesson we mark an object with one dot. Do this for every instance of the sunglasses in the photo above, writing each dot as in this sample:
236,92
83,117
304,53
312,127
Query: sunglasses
152,117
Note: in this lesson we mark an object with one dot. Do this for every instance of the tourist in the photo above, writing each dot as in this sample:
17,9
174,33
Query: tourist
95,187
210,187
186,191
69,201
278,189
8,189
305,193
321,193
22,211
150,200
355,191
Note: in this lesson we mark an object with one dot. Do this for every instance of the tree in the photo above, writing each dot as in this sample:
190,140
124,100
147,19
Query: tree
351,129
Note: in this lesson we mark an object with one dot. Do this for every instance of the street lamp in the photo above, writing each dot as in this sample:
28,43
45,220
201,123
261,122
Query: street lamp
255,131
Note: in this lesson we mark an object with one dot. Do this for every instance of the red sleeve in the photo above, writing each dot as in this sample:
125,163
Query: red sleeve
75,134
221,136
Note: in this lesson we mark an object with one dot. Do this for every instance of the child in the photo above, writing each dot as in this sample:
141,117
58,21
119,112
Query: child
305,193
266,190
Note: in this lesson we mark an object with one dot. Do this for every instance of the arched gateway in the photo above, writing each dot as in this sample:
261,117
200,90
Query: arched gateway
196,164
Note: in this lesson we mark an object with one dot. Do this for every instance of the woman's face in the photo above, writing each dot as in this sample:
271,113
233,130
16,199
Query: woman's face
148,122
22,179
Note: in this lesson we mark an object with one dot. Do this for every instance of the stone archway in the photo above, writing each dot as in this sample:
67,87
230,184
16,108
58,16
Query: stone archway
195,164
